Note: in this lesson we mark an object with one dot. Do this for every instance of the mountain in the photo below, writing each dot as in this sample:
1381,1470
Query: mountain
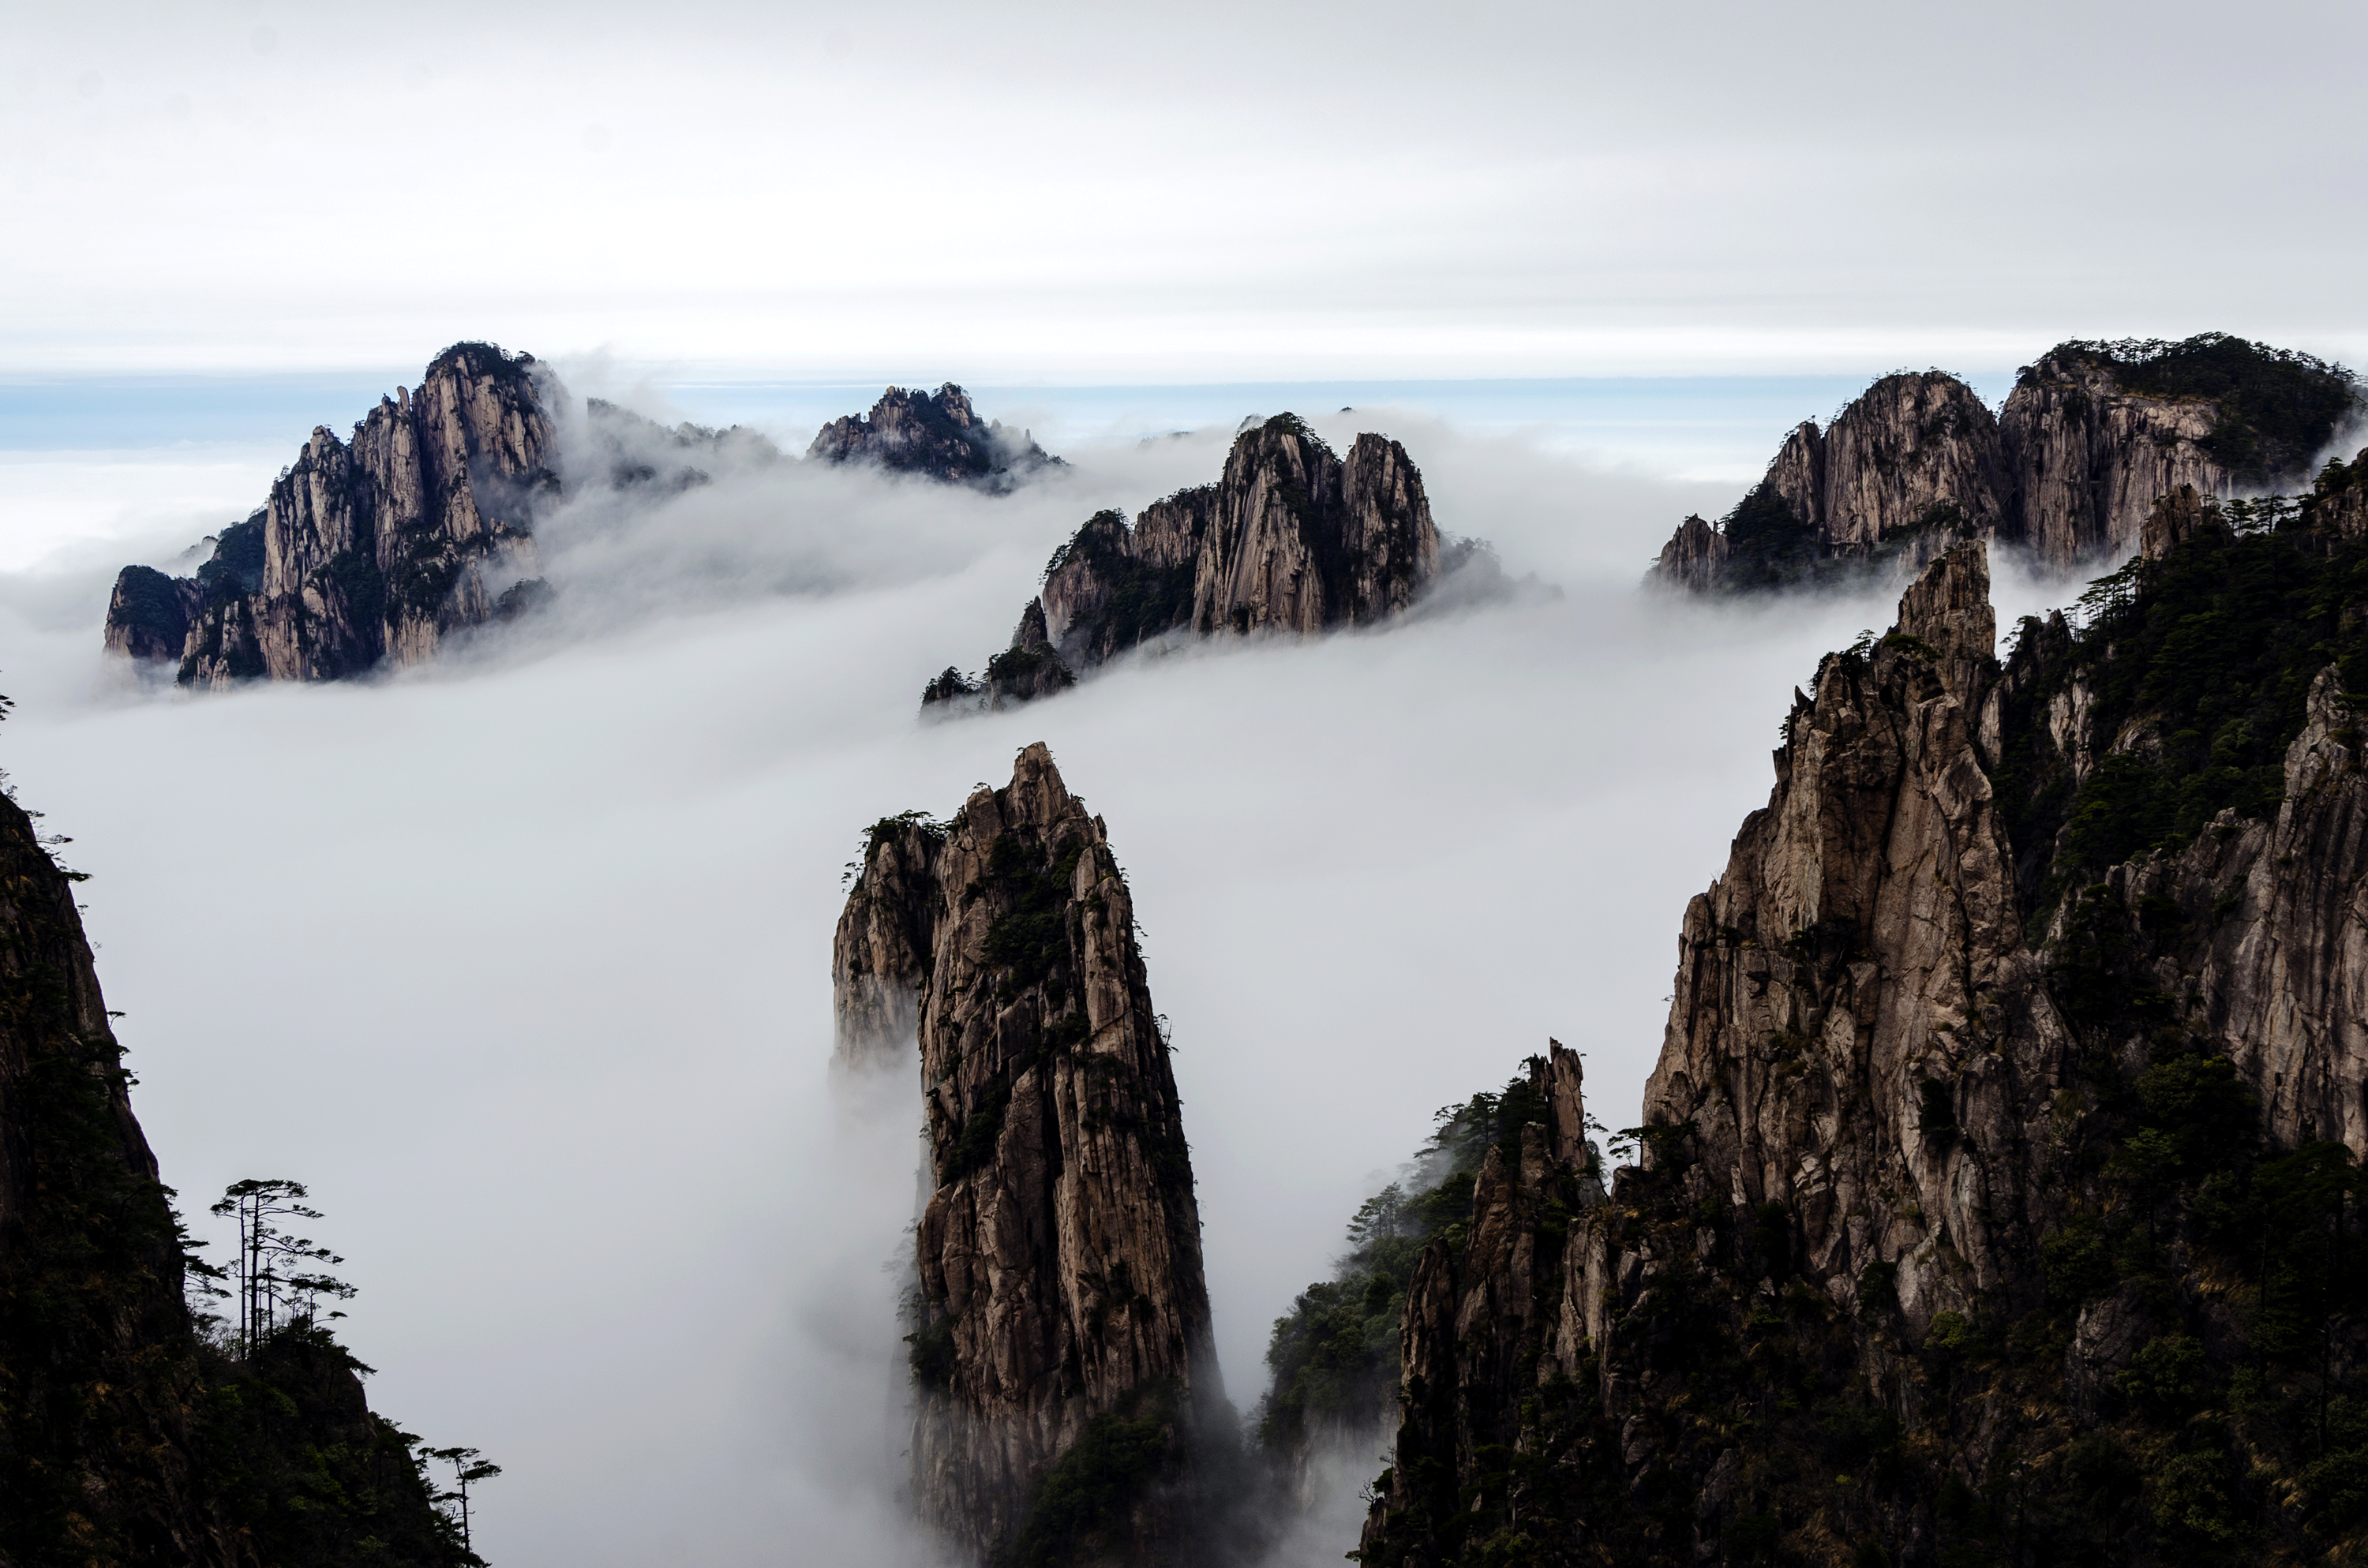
1997,1195
369,551
2090,437
1292,539
937,435
372,553
130,1438
1068,1407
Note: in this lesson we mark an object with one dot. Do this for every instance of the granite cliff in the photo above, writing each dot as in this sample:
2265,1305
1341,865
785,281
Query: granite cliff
2090,437
373,554
1994,1202
1294,539
367,552
129,1438
1067,1404
936,434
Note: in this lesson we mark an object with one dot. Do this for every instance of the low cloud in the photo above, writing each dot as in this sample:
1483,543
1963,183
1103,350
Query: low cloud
521,960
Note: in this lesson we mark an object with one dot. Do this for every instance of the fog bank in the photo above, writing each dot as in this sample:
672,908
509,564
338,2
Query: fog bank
521,960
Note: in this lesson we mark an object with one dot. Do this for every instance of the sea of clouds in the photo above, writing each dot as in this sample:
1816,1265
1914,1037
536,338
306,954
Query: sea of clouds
520,959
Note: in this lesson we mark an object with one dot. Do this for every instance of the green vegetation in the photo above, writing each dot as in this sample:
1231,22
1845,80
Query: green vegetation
1768,546
131,1426
2277,407
1090,1490
1142,600
2211,652
1335,1356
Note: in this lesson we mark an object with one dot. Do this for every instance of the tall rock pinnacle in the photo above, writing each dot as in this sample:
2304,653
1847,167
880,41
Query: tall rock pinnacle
1061,1299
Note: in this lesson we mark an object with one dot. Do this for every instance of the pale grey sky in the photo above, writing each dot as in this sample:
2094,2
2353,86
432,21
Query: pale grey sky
1077,192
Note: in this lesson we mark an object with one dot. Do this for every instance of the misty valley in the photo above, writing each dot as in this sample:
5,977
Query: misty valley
1287,1157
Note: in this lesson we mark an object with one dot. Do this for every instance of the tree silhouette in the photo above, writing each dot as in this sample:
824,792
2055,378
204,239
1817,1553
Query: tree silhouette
467,1466
280,1275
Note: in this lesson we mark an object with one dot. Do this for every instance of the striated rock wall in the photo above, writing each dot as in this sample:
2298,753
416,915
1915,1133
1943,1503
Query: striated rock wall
2088,458
1292,539
1061,1294
1694,559
367,552
937,435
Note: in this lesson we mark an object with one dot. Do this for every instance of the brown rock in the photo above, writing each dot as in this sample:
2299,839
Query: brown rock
1059,1254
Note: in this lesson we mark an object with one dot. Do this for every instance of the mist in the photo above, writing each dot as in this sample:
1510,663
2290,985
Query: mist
520,959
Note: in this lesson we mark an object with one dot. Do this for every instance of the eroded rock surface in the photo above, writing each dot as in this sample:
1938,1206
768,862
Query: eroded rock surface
1061,1299
937,435
1956,1145
369,551
1294,539
2092,435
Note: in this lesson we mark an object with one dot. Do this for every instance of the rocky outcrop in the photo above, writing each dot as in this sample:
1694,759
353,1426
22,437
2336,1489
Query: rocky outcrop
369,551
2092,435
1061,1339
936,434
1292,539
127,1439
2090,457
1694,559
1989,1191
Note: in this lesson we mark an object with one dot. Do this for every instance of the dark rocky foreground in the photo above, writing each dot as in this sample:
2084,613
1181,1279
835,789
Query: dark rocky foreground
2092,435
127,1439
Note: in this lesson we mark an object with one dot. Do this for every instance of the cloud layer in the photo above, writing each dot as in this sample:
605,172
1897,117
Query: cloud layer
520,960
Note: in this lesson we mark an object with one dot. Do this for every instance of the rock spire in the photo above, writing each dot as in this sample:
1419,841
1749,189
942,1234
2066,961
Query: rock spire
1060,1307
2012,1069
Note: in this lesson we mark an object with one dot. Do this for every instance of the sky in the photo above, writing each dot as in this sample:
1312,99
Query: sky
520,959
1082,194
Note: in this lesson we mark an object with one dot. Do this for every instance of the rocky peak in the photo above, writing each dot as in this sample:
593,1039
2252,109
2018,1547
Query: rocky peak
2092,435
937,435
1060,1292
369,551
2000,1062
1294,539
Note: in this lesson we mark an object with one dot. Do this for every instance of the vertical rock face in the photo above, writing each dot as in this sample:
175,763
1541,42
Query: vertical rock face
1481,1308
2091,437
1694,559
1912,451
1294,539
366,553
2090,458
1061,1298
1957,1143
937,435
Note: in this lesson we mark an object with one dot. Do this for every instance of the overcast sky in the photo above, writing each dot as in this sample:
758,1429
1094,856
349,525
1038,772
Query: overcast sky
1178,192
